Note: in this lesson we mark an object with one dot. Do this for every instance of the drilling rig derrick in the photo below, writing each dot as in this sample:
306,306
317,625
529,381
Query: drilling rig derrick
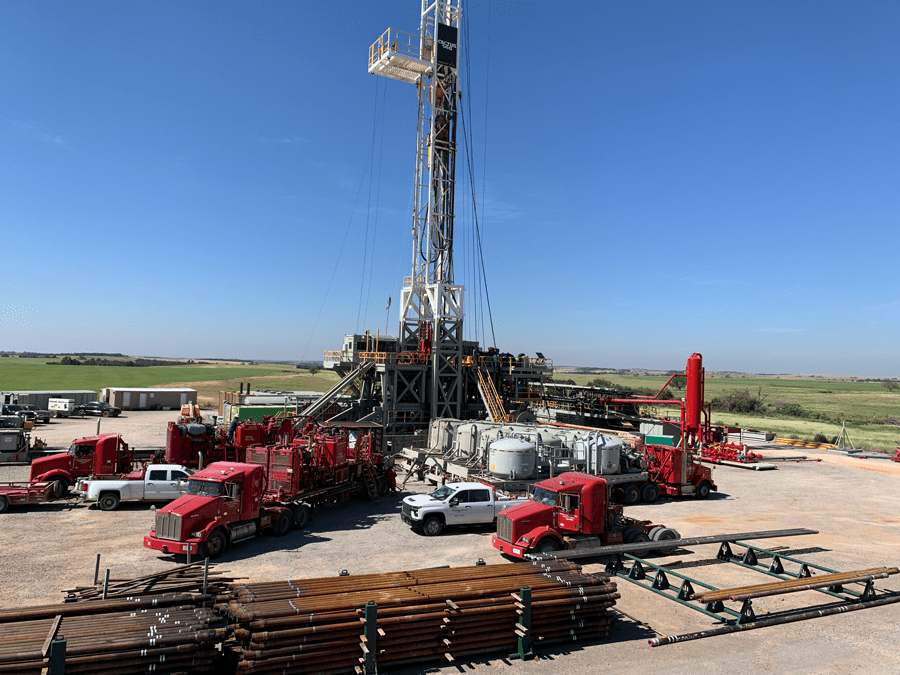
429,371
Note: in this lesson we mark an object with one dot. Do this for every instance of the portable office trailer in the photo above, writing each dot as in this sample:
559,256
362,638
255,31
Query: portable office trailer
129,398
42,398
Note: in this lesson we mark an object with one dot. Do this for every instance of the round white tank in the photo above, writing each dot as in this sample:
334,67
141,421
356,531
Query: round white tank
513,458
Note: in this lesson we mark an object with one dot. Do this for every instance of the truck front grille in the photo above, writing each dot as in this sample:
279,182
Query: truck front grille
504,528
168,526
407,510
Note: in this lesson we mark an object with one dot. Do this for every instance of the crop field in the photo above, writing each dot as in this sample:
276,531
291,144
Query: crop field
207,379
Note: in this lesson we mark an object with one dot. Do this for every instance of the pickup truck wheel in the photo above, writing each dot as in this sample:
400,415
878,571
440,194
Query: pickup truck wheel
703,490
649,493
283,523
548,546
57,415
4,504
60,487
433,526
215,545
302,515
108,501
631,495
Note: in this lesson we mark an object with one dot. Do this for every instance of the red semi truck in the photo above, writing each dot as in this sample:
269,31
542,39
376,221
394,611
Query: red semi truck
570,511
274,490
104,455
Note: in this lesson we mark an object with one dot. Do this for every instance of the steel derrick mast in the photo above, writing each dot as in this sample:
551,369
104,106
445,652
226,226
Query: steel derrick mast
431,310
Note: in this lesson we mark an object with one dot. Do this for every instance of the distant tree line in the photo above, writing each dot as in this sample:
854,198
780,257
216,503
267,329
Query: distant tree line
130,363
40,355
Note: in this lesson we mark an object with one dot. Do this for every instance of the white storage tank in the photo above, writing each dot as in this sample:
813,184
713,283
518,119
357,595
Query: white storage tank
513,458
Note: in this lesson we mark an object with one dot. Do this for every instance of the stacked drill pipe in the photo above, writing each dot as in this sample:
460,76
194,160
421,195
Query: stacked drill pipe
181,579
316,625
164,634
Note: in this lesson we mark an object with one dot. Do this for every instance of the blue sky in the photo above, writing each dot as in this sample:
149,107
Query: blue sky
225,179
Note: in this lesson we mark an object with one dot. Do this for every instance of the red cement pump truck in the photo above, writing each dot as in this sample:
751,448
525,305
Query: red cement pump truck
195,444
97,456
275,489
570,511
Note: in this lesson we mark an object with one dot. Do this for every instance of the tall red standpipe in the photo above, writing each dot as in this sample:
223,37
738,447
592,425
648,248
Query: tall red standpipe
694,398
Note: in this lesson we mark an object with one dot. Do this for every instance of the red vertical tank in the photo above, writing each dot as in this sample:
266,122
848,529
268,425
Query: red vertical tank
694,398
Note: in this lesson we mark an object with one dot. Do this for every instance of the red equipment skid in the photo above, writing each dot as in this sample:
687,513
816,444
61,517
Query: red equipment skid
195,444
676,472
728,452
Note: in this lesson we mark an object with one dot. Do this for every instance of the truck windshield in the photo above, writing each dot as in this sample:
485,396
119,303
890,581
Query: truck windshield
544,496
442,492
205,488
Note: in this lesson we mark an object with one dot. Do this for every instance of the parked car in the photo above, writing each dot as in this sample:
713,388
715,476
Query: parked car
19,411
97,408
42,415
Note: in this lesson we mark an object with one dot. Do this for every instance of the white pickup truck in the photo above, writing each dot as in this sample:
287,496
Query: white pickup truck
158,483
455,504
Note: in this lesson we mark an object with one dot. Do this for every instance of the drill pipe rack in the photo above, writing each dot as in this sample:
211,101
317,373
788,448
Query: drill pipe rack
659,579
363,622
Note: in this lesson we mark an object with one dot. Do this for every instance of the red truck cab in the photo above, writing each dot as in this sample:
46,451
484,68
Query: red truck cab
222,506
569,511
104,455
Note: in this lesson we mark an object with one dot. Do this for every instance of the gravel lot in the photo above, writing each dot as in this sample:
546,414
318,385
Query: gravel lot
852,502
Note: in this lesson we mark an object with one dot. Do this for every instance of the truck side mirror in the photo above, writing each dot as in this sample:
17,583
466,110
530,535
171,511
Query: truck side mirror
454,502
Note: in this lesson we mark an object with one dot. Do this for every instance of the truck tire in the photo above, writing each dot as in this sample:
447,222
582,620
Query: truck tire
634,536
4,504
302,515
649,493
702,490
215,545
432,526
660,533
631,494
283,523
548,545
109,501
57,415
60,487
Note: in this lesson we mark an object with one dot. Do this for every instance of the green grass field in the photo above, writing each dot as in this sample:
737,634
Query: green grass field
208,380
862,405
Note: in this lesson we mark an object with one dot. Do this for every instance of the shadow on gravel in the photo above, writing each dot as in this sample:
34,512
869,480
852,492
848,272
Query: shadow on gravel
626,629
44,507
353,514
713,497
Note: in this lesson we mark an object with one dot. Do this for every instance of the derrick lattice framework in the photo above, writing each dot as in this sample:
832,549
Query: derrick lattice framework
431,304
